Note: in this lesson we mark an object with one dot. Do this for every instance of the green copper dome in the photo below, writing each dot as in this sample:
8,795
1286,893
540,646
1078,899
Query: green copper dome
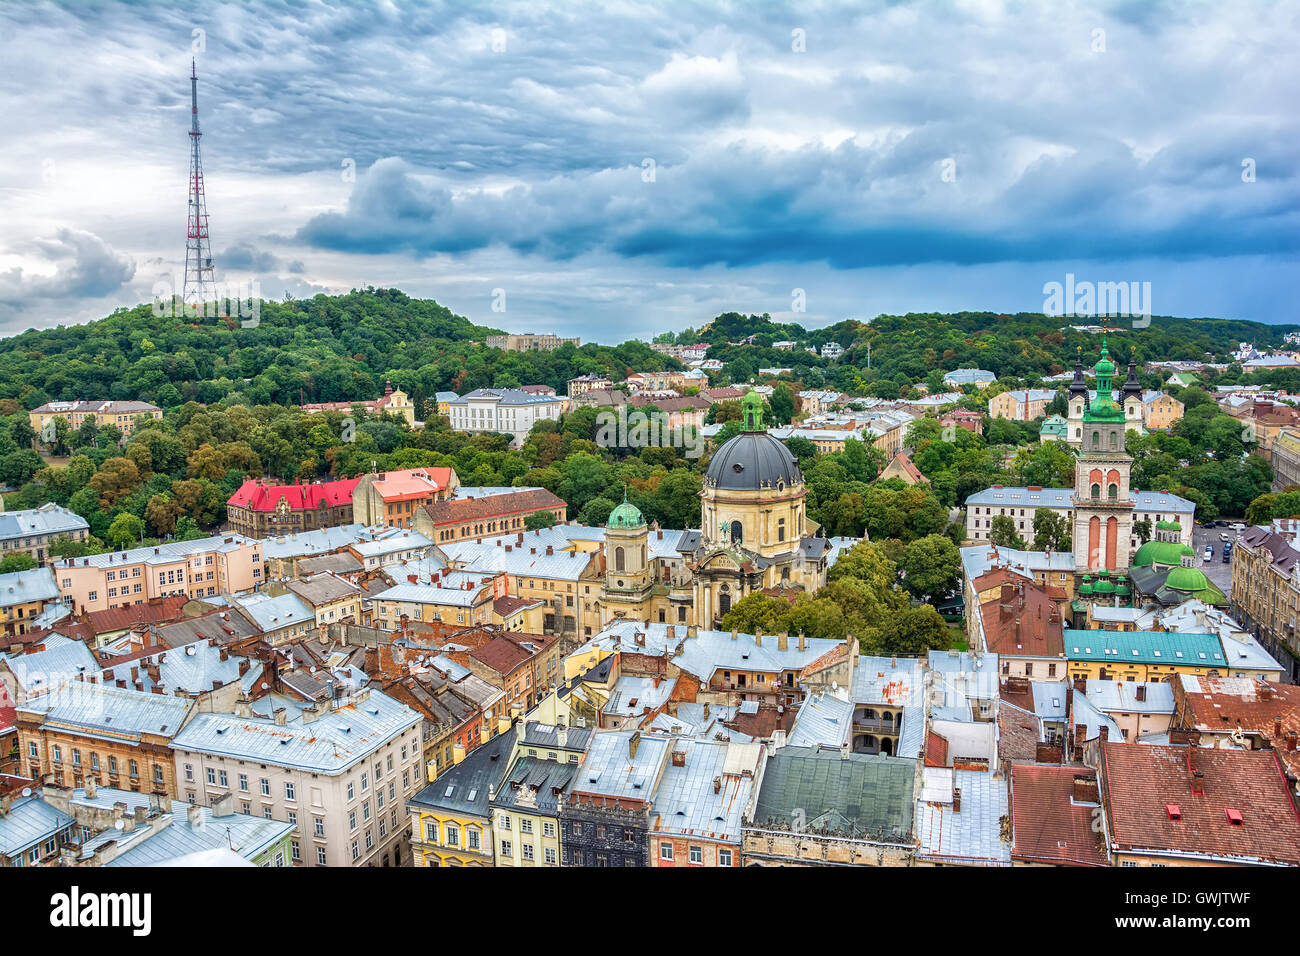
1168,526
626,515
1167,553
1186,579
1103,587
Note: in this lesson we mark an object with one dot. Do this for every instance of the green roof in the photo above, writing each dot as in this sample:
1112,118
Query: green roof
863,796
1168,553
626,515
1168,526
1143,647
1186,579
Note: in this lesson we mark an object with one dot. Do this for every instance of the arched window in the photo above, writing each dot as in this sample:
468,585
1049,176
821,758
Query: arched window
618,559
724,601
1113,492
1114,436
681,612
1096,490
1096,439
737,532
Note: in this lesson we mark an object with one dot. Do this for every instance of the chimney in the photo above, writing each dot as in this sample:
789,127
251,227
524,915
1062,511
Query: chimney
633,743
243,667
844,751
1103,733
1290,742
550,550
562,735
1085,789
706,711
783,641
758,637
279,715
1141,692
1081,685
194,813
956,799
225,805
244,707
1264,691
90,788
802,641
717,784
679,758
224,653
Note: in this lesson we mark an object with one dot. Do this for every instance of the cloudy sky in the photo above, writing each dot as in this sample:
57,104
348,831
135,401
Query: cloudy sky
622,168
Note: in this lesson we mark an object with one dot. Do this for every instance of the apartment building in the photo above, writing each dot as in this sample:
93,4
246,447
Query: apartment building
505,411
119,737
1266,593
340,771
121,414
501,511
588,383
24,595
196,569
34,530
1286,459
391,498
1023,405
530,342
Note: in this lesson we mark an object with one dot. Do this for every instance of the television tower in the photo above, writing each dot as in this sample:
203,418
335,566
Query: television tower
200,286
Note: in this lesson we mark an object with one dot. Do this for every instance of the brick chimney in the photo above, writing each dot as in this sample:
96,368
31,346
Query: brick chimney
633,743
956,799
1277,726
1290,742
1085,789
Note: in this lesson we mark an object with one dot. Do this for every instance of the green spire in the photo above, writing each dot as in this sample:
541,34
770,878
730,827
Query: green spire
751,407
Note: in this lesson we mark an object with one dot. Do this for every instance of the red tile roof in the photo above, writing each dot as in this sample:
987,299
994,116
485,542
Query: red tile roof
1139,782
1047,826
1222,705
154,611
1023,621
457,510
905,463
503,654
257,495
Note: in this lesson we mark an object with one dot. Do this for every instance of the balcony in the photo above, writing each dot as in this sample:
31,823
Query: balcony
874,725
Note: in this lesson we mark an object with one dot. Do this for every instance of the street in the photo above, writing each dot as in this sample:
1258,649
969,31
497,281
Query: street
1220,574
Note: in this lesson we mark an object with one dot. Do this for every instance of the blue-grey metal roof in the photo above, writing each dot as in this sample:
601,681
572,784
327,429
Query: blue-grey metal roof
893,682
686,804
822,719
321,541
273,613
61,661
45,520
1152,502
24,587
969,835
30,821
1114,696
109,713
535,784
750,461
611,769
465,787
334,741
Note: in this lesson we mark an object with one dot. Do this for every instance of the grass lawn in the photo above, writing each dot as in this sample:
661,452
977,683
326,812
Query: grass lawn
957,635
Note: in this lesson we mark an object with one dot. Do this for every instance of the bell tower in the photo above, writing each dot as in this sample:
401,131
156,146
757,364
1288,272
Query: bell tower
1103,504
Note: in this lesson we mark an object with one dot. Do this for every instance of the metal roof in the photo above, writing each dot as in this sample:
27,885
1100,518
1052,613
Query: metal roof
25,587
111,713
45,520
686,803
971,834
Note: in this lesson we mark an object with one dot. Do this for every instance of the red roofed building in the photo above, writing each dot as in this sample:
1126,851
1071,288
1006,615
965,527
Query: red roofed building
1234,712
900,466
393,497
455,519
1023,625
1054,816
1194,806
525,666
394,402
261,509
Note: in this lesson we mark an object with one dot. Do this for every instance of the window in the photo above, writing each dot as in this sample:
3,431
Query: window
295,852
550,856
266,787
32,751
352,819
356,851
365,782
697,854
351,792
319,826
453,835
243,782
320,856
504,822
665,851
288,791
212,776
548,828
431,833
365,810
525,825
225,780
527,850
189,769
292,818
506,849
724,858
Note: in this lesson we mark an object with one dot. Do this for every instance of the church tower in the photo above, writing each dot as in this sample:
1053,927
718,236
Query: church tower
1077,403
1103,506
626,592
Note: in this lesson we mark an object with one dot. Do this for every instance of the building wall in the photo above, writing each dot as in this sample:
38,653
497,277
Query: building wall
532,839
787,848
1266,602
430,844
155,772
711,852
322,796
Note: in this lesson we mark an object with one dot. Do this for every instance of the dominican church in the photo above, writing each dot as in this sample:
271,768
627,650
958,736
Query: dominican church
754,535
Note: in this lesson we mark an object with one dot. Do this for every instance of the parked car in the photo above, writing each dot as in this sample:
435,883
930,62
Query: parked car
1223,536
1209,552
1227,553
1238,527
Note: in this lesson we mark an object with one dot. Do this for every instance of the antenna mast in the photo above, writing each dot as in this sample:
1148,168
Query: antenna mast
200,286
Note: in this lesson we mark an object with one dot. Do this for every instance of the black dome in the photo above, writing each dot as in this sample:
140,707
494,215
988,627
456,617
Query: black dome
750,461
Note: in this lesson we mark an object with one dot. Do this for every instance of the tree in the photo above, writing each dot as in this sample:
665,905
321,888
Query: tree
1143,530
125,531
915,632
931,567
1003,533
161,514
65,547
781,402
596,511
16,562
116,478
540,519
756,612
1052,531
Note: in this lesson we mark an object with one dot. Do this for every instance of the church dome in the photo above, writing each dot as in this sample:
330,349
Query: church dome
626,515
751,461
1190,580
1167,553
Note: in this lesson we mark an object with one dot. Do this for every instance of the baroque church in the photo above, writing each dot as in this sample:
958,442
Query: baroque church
754,535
